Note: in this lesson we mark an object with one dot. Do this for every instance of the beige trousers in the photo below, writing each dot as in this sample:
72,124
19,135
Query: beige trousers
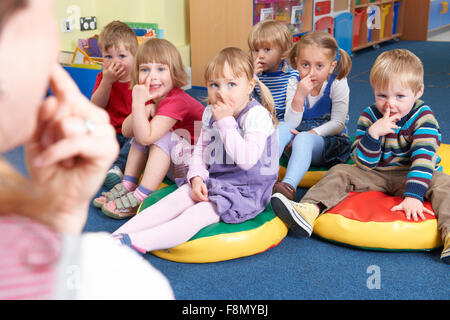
343,178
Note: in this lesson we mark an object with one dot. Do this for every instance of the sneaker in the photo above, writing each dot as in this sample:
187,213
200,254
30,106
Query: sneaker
122,208
299,217
445,255
113,177
124,239
285,189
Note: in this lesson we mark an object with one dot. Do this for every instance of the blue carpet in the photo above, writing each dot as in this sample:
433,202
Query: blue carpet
312,268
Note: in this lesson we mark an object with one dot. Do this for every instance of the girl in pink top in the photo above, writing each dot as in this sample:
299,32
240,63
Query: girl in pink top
161,124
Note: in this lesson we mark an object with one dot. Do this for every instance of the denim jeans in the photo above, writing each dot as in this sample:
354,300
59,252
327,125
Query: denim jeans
307,150
124,144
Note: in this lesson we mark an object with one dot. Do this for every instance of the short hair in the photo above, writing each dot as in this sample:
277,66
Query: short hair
114,33
398,65
164,52
269,33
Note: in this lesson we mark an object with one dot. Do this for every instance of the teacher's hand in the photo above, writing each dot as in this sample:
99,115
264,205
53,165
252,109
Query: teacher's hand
73,147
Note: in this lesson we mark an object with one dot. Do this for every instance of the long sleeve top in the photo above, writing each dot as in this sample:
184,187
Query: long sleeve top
413,146
244,148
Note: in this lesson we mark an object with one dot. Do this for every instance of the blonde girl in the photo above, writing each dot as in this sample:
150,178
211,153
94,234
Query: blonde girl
233,167
270,43
317,109
162,119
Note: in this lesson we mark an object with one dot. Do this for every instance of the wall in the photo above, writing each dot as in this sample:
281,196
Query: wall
171,15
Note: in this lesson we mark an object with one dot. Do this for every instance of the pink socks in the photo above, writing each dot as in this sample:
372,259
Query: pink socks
130,183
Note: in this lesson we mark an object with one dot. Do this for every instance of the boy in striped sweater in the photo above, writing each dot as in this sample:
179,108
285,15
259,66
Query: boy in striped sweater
395,151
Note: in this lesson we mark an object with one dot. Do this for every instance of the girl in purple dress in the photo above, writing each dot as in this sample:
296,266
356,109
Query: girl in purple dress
233,167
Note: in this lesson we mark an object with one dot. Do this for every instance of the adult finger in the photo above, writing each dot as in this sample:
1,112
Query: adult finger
70,99
46,113
101,146
61,83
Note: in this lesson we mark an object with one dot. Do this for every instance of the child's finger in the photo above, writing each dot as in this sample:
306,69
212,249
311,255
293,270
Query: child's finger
428,211
395,118
421,215
295,132
147,81
307,77
204,191
387,110
408,214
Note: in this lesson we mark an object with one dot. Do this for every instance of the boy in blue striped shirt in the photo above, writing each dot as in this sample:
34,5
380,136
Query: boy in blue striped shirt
270,43
395,151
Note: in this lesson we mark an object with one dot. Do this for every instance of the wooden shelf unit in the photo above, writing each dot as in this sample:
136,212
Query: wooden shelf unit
215,24
376,37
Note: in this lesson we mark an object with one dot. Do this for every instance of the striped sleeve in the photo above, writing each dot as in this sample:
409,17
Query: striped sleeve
426,139
29,253
366,150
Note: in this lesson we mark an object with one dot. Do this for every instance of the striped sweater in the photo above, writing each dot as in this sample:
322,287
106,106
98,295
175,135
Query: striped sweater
413,146
277,82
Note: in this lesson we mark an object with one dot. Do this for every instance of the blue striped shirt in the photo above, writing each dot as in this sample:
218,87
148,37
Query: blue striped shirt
277,83
414,146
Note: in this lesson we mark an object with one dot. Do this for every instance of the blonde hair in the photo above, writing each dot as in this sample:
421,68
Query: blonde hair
326,41
397,65
164,52
268,33
240,63
114,33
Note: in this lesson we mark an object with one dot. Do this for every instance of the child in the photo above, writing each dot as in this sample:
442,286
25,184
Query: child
394,151
157,77
317,108
270,42
232,171
118,44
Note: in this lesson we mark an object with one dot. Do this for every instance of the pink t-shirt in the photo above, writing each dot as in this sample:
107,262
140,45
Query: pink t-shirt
184,108
119,104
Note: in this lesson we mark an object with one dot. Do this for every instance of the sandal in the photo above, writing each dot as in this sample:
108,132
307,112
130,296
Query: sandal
285,189
116,192
123,207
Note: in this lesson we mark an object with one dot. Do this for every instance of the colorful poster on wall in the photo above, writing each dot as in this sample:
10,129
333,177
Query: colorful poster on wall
144,30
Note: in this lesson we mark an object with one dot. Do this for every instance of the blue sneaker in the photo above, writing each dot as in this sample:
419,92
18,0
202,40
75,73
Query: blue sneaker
113,177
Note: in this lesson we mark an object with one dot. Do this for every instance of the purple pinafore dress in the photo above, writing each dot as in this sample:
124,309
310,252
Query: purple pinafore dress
240,194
